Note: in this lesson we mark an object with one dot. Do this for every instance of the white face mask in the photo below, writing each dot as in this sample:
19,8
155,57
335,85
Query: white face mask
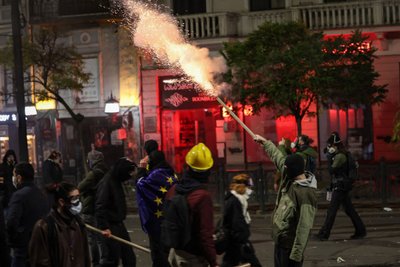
248,191
331,150
76,207
14,181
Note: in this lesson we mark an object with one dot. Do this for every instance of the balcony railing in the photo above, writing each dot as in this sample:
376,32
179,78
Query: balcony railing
42,11
316,17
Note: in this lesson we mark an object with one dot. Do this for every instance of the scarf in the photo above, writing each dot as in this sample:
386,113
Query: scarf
243,200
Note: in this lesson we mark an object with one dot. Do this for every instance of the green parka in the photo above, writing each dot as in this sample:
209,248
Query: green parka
295,208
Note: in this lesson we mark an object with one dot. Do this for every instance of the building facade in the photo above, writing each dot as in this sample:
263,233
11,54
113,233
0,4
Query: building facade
209,23
144,88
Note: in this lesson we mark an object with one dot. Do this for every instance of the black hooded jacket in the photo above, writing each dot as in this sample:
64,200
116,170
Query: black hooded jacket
110,196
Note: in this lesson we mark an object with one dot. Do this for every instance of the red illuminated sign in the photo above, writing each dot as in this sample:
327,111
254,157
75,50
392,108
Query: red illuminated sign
177,93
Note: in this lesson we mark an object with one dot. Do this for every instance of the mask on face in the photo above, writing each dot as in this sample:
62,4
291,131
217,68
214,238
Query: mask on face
248,191
331,150
14,181
76,207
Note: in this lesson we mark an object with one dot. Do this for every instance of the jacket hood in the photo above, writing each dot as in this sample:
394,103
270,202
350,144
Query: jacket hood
122,169
190,183
310,180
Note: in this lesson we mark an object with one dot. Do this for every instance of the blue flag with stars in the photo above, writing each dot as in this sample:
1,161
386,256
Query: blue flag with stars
150,194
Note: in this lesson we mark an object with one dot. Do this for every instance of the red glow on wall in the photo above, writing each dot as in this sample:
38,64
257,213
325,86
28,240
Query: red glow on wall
286,128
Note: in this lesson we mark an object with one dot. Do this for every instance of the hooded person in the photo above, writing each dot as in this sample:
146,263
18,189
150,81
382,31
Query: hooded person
200,251
150,193
6,172
87,188
295,206
110,212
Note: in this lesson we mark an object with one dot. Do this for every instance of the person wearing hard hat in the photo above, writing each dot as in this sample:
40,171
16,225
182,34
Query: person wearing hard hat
200,250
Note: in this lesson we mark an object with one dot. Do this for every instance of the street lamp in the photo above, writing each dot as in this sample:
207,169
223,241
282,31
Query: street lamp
111,105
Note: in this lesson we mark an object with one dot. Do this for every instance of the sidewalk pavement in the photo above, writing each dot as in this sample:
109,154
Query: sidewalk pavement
381,247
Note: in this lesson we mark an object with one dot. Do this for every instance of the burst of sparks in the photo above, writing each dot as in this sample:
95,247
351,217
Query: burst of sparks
159,32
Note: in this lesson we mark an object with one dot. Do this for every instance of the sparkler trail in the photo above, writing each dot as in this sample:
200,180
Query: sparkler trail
159,32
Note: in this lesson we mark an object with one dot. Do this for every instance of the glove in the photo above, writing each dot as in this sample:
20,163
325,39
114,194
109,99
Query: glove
259,139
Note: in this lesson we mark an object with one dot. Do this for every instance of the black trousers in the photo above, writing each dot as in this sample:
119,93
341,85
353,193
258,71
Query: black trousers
159,254
281,258
117,250
341,198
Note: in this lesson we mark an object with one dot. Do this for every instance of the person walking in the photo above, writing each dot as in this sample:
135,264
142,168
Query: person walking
295,206
236,221
6,172
27,205
52,170
341,185
110,213
87,188
303,148
60,238
200,251
150,193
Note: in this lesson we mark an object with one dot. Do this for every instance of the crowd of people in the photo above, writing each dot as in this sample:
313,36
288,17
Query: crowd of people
47,225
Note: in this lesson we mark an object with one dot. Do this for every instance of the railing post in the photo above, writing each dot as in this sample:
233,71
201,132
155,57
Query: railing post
222,186
377,9
383,175
261,187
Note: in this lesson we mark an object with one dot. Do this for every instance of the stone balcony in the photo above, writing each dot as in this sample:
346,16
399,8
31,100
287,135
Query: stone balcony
358,14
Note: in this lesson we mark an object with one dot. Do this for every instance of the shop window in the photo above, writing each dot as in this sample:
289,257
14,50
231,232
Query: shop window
355,128
186,7
259,5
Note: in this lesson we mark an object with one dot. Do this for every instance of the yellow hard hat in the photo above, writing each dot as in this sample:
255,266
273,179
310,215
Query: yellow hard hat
199,158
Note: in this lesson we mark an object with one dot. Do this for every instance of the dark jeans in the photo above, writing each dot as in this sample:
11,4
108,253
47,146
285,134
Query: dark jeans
237,254
20,257
341,198
281,258
117,250
159,254
98,249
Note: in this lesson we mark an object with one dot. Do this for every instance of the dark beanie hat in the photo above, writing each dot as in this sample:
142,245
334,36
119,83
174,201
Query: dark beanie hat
294,165
150,146
334,139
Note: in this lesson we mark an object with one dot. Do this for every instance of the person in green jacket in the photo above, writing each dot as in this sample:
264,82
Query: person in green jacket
87,188
295,206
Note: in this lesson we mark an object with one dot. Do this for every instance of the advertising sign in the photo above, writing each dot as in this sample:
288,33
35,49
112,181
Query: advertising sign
181,94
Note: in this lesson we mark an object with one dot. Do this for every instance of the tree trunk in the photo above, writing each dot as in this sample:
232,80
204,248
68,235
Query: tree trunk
78,119
298,122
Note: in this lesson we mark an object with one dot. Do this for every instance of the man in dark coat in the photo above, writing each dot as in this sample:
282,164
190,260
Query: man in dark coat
27,205
87,189
110,213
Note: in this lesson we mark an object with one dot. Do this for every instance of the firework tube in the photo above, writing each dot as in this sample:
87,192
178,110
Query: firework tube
94,229
236,117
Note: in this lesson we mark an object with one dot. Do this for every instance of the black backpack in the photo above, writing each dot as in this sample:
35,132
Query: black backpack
176,226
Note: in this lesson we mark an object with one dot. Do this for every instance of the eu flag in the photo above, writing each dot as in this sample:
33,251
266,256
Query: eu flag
150,194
